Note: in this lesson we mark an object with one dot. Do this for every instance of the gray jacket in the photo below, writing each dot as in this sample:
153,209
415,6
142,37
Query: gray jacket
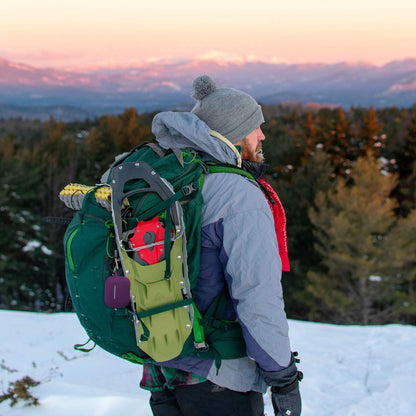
239,249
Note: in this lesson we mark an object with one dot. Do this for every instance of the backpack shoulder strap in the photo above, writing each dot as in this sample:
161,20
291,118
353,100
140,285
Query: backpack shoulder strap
274,203
230,169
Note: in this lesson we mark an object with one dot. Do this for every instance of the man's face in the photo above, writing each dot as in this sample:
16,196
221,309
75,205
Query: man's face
252,146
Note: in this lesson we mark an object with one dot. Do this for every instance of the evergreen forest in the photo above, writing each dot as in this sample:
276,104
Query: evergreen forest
347,180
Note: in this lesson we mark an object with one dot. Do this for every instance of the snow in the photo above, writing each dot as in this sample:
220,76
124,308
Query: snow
34,244
31,245
349,370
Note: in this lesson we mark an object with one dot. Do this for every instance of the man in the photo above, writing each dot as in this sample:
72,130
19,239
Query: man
239,250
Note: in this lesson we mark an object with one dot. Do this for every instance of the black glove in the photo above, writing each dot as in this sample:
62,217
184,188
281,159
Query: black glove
286,398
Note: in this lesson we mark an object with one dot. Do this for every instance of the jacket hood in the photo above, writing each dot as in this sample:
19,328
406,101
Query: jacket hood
185,130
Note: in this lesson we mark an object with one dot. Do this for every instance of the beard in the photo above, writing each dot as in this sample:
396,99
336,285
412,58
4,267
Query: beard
254,155
259,153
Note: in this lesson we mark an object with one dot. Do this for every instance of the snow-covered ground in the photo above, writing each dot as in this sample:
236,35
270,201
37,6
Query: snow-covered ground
349,370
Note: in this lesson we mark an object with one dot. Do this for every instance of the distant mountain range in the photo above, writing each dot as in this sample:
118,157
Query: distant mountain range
31,92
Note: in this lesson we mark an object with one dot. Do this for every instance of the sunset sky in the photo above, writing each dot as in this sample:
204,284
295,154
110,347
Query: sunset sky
100,32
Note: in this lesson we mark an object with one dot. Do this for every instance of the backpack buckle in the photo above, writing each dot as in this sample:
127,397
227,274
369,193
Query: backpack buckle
201,346
188,189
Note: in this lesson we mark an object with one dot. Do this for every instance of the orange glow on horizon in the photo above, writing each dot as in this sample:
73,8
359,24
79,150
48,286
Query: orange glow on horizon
85,33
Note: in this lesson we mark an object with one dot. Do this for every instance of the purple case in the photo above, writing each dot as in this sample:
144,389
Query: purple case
117,291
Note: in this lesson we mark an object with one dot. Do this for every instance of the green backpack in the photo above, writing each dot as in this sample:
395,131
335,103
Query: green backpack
132,255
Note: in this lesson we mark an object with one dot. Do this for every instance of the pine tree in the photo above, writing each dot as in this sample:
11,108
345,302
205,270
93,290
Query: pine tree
297,195
339,146
101,145
133,130
324,126
369,132
407,165
351,224
59,157
24,251
115,135
310,134
401,249
282,148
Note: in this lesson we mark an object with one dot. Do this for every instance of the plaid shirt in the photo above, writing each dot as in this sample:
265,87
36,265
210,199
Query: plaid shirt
156,378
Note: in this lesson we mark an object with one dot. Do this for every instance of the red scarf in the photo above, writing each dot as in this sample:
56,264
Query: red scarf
279,223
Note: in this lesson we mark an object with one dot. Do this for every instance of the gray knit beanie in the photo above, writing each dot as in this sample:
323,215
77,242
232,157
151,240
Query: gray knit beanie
230,112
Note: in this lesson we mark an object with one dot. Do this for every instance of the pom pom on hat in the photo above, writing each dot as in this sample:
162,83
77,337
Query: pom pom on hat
228,111
203,86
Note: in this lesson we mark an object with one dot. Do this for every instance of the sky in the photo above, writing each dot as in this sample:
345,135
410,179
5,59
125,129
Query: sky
76,33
